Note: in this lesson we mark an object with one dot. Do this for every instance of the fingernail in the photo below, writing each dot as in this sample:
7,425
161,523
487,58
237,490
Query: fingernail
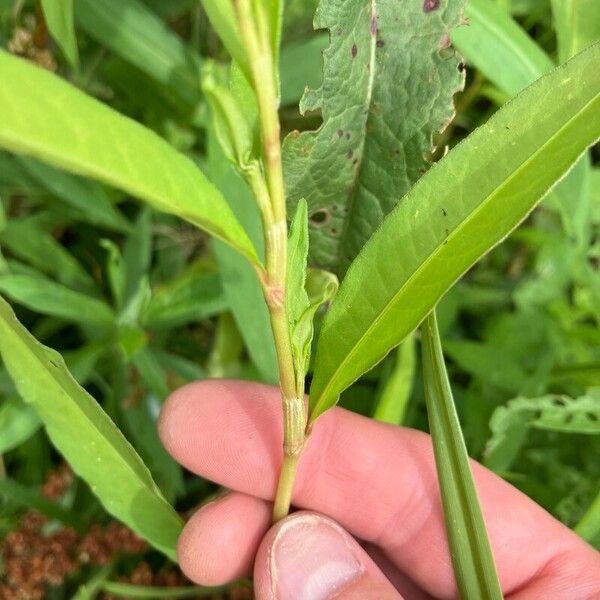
311,559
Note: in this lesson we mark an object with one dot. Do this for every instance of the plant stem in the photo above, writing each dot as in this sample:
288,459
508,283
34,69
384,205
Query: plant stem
472,558
255,37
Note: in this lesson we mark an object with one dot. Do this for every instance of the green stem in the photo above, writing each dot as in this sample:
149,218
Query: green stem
254,34
470,549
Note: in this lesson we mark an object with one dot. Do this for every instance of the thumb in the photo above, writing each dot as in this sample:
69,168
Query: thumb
307,556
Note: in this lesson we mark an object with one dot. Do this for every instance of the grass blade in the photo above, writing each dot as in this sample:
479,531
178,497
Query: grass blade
469,545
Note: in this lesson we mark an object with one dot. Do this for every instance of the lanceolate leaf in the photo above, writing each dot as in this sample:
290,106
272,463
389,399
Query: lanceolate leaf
389,78
91,139
460,209
506,55
59,18
86,437
47,297
495,44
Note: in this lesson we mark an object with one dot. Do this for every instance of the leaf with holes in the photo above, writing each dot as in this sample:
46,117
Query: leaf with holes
389,79
509,424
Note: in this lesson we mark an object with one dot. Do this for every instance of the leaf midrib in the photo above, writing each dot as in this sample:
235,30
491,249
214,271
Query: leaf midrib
440,247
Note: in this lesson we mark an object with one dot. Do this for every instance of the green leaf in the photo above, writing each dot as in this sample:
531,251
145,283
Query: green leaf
577,24
495,44
393,402
28,240
130,591
26,497
507,56
88,198
300,67
466,204
296,298
59,18
49,298
589,525
115,270
93,586
191,297
241,287
231,125
509,424
378,122
86,437
472,558
18,422
92,140
137,35
223,19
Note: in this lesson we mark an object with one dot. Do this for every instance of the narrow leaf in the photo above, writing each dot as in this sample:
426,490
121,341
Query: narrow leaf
91,139
374,114
466,204
49,298
470,549
393,401
577,24
240,284
87,197
189,298
59,18
222,18
18,422
133,32
26,239
86,437
498,46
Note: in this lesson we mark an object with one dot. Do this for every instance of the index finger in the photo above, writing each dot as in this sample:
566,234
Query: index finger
376,480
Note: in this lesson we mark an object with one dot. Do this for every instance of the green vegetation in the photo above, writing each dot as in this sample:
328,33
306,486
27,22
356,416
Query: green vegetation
212,189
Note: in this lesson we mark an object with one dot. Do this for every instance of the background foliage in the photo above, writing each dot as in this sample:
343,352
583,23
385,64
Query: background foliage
138,302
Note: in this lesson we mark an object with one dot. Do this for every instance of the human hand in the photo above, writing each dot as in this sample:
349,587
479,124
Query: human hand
378,484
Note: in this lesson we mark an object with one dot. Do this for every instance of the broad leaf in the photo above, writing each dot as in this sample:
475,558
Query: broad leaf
92,140
374,114
466,204
509,424
86,437
59,18
470,548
